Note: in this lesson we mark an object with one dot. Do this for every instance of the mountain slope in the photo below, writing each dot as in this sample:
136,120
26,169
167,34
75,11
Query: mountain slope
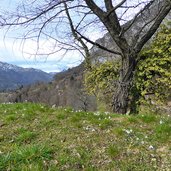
66,89
12,76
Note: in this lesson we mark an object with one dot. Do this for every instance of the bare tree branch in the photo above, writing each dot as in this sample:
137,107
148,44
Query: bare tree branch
85,48
111,10
98,45
164,11
128,25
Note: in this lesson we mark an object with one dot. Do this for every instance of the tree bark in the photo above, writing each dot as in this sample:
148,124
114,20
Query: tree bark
121,96
120,99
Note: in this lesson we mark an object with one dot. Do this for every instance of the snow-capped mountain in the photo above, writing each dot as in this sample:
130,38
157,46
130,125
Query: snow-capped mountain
12,76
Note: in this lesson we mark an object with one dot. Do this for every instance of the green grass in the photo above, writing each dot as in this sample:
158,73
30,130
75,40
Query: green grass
35,137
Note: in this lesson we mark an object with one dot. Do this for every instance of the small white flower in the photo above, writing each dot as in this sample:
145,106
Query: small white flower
161,122
151,147
106,113
93,130
96,113
128,131
153,159
142,142
87,128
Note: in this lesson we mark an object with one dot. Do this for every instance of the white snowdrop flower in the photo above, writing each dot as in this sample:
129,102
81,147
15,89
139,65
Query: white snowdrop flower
142,142
146,136
109,117
153,159
97,113
128,131
106,113
151,147
93,130
87,128
161,122
137,138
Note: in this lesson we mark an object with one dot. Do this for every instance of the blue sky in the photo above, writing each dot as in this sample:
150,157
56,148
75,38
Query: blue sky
13,52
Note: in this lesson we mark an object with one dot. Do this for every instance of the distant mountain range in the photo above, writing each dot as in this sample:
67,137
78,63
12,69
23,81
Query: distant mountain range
12,76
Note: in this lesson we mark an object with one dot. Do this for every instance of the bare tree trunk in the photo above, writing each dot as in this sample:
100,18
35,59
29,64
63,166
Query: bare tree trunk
120,99
121,96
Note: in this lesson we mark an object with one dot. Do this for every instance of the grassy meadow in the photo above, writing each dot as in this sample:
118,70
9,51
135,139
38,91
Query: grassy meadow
35,137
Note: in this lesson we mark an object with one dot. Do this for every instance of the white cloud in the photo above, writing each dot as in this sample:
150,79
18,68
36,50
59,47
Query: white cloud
45,67
22,54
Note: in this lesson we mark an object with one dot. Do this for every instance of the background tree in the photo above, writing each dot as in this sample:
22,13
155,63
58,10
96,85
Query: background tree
67,24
